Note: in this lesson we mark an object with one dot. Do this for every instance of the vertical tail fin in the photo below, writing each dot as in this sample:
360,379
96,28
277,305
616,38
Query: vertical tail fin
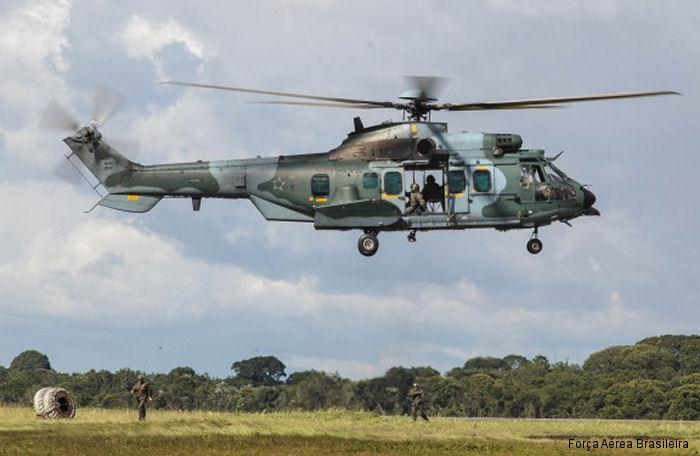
104,162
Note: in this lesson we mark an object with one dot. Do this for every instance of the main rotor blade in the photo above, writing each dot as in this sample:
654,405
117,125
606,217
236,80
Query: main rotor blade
55,117
327,105
383,104
104,103
546,102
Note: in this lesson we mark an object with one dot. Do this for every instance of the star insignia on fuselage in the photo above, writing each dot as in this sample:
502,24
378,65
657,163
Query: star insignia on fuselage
278,184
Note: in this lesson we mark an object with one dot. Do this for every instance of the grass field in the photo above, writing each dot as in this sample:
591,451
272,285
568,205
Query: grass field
117,432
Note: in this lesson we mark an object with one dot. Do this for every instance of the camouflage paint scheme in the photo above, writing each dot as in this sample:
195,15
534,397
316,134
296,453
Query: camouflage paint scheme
498,191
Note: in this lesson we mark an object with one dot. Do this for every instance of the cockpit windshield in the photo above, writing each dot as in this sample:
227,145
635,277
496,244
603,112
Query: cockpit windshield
554,173
550,183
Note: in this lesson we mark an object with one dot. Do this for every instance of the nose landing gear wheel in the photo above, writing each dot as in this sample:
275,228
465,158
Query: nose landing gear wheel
368,244
412,236
534,246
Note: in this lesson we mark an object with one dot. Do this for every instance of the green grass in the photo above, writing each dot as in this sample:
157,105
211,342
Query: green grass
337,432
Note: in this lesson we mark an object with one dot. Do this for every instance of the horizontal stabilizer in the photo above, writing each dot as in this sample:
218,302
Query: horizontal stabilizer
129,203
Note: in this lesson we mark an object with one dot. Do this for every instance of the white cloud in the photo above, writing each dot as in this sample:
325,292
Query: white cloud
98,267
32,61
144,39
32,34
189,129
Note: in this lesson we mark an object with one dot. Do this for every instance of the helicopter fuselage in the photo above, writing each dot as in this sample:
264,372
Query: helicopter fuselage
479,180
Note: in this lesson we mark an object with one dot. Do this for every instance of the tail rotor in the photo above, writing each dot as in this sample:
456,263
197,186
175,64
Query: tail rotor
58,119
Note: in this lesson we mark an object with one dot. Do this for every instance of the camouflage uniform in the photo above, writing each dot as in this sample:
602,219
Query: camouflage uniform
142,390
416,203
417,402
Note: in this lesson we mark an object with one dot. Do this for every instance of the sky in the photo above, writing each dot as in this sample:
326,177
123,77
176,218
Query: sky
172,287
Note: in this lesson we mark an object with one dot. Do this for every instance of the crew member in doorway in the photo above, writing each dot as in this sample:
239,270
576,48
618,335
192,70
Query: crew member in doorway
433,193
416,203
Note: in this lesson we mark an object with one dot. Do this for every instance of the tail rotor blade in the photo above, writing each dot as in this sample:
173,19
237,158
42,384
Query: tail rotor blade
105,102
55,117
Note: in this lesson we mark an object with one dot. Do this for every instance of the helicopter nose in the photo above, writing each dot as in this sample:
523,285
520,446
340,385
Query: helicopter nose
588,198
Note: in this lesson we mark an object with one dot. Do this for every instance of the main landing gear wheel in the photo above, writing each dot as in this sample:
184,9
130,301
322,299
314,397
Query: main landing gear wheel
368,244
534,246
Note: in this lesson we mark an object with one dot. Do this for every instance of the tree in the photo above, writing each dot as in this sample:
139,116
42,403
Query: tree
387,394
179,391
481,363
260,370
515,361
30,359
489,365
635,399
314,390
685,403
626,362
684,349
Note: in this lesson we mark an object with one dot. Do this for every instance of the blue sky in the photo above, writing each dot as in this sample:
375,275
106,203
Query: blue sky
172,287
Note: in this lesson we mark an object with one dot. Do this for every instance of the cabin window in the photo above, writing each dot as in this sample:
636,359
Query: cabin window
456,181
320,185
482,180
392,183
370,181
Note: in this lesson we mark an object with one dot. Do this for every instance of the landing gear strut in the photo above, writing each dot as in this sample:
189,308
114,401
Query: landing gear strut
534,245
368,243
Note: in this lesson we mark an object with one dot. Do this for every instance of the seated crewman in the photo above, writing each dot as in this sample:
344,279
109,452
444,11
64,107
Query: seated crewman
432,192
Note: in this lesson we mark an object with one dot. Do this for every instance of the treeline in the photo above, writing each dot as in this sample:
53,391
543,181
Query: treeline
657,378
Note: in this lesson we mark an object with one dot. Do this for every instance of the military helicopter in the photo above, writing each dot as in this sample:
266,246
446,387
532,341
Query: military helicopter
410,175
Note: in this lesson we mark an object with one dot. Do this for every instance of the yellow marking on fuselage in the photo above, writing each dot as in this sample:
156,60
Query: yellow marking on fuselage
132,197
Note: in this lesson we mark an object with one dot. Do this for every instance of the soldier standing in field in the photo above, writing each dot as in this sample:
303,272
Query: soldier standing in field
142,390
417,402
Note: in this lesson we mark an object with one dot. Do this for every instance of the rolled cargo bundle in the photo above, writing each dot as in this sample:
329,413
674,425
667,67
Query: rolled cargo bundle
54,402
